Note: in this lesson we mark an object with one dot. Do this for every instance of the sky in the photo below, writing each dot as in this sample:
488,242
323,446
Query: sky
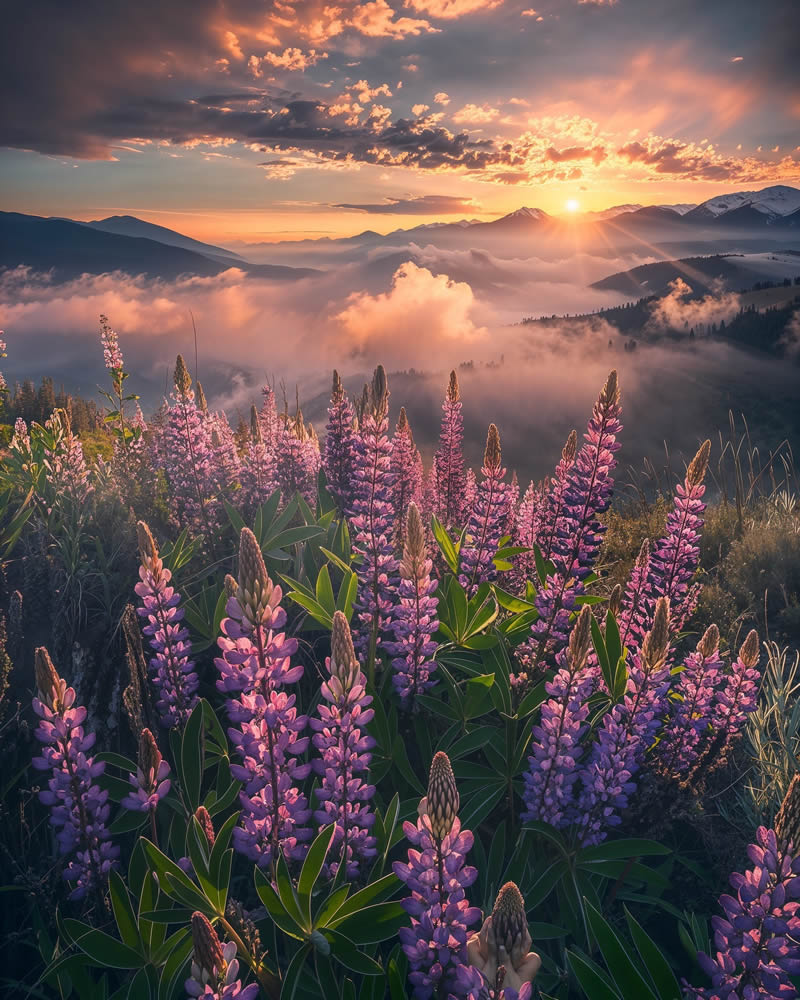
234,120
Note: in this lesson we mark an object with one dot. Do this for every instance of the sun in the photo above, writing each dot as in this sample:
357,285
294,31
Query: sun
572,205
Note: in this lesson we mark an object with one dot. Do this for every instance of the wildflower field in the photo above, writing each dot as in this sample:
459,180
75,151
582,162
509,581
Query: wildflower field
295,716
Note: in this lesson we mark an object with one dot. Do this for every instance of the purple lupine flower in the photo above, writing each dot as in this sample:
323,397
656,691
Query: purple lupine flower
526,531
79,808
268,418
337,460
215,967
414,617
372,522
486,519
556,744
690,715
344,745
673,560
186,458
735,698
625,735
112,352
258,474
65,467
225,466
470,984
449,461
297,459
151,781
172,666
578,532
255,666
635,610
555,499
436,942
758,953
407,473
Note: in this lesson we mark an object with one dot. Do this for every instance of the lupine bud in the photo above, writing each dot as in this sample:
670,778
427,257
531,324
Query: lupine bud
656,642
509,922
453,393
696,472
492,454
749,653
709,644
207,947
203,817
787,822
48,682
581,637
615,599
255,425
610,393
200,397
148,550
231,586
344,664
150,781
443,800
182,378
379,395
571,447
255,586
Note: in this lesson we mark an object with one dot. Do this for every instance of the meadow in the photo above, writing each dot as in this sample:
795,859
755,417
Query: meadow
289,714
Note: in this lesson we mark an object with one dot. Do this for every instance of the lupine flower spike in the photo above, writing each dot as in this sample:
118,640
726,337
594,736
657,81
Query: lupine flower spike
79,808
449,480
501,962
344,745
171,665
254,668
337,459
407,473
556,744
215,967
436,942
151,781
372,521
414,618
486,519
625,735
758,953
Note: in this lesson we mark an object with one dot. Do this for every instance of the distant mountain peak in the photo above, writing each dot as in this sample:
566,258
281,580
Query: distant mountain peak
527,213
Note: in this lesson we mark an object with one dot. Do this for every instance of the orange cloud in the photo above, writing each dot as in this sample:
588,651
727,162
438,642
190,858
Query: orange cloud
451,9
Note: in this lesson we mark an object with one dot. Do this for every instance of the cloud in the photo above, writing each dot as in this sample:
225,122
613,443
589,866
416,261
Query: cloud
679,311
429,204
293,59
597,154
417,300
473,114
450,9
441,98
702,161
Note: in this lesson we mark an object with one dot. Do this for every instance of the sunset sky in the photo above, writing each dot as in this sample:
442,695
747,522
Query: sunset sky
255,121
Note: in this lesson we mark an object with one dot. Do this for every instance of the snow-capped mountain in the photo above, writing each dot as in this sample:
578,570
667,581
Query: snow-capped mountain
776,202
535,214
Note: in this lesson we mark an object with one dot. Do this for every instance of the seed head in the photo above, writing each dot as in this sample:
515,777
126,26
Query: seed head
443,800
379,394
698,465
149,757
182,378
453,392
749,653
255,586
509,922
402,420
337,392
644,554
201,399
492,454
207,948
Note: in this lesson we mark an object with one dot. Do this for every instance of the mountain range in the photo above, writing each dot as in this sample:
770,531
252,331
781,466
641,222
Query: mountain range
745,221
